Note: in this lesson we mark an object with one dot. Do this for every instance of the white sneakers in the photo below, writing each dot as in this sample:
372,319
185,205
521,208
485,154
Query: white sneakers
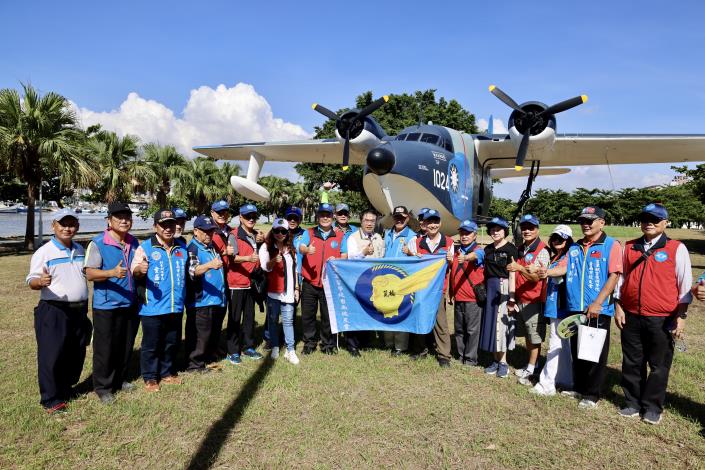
291,357
539,389
522,373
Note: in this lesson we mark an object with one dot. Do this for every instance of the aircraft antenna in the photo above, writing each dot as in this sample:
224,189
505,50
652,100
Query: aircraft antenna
609,169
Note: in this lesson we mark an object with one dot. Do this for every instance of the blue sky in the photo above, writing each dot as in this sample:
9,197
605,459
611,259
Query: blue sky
642,64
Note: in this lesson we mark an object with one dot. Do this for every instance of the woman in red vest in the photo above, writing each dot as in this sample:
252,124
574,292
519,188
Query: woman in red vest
278,259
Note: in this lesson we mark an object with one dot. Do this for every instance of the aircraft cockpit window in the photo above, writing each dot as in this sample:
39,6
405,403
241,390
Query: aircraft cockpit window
446,144
429,138
414,136
401,136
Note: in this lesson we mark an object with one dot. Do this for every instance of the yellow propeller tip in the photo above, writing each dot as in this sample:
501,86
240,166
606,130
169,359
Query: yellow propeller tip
345,168
518,167
584,98
492,87
386,98
313,106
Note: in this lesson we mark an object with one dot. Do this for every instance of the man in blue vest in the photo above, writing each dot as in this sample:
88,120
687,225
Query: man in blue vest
181,218
594,266
395,246
115,320
205,299
161,265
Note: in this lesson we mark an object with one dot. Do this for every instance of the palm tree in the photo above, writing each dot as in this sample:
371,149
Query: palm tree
226,171
119,167
204,186
170,170
39,134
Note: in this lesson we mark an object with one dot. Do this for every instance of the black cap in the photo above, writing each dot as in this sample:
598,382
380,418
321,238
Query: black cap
402,210
117,207
592,213
162,215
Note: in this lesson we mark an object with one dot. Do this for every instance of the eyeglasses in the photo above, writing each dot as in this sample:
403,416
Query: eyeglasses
280,231
325,215
586,221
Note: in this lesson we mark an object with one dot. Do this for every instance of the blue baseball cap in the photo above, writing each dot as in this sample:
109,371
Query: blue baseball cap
342,207
220,206
179,213
203,222
655,209
529,219
61,214
468,225
325,207
280,223
498,221
431,213
422,212
293,210
248,209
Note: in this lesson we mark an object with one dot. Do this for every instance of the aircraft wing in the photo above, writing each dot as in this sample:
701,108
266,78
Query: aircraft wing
601,149
502,173
308,151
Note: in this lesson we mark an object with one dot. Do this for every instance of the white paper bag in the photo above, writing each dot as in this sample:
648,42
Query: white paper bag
590,342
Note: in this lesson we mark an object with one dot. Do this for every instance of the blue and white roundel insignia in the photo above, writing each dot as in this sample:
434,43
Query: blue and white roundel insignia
661,256
574,253
529,257
454,178
334,244
156,256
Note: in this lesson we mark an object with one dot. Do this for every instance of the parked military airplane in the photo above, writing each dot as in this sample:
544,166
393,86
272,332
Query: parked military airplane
434,166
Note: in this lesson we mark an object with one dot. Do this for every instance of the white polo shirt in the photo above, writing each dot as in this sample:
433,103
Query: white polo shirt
65,265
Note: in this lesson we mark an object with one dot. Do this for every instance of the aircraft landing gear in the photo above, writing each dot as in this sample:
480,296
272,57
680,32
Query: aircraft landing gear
523,199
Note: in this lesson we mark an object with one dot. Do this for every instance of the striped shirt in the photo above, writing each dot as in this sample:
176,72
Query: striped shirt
65,265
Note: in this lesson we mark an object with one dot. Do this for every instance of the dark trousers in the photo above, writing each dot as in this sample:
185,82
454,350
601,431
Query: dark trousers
114,334
241,320
311,298
161,335
588,377
646,341
203,325
468,316
63,332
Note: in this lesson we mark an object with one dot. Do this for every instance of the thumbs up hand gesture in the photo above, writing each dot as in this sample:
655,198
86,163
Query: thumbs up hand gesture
449,255
119,271
143,267
216,263
513,266
45,279
369,249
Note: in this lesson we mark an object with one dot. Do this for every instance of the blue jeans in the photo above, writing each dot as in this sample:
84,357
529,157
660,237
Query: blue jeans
274,308
161,335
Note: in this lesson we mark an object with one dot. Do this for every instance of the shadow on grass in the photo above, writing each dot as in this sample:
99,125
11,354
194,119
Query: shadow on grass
217,435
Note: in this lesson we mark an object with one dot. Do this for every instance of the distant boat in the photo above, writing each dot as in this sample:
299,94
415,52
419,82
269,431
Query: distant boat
21,208
8,210
78,210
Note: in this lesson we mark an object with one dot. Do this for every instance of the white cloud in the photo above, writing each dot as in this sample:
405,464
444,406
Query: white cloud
211,116
498,124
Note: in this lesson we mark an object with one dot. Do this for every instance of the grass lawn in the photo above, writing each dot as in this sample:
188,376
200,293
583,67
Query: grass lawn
336,411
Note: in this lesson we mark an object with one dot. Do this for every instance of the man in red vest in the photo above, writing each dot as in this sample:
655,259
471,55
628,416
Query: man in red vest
432,243
653,304
318,245
527,304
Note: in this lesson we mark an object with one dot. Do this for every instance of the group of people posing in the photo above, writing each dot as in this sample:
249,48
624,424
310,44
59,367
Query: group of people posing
498,293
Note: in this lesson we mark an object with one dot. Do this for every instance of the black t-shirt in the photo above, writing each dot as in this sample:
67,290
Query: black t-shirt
497,259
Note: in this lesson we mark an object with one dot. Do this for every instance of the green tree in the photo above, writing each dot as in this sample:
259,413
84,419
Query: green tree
120,169
502,207
281,191
39,137
400,111
169,170
205,185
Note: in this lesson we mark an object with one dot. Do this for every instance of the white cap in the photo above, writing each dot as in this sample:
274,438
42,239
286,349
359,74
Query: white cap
564,231
60,214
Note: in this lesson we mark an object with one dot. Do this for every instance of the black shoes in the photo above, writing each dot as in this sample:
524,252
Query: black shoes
107,398
354,352
308,350
444,363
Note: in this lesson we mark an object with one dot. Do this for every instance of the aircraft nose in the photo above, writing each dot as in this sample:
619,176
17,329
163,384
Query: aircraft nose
380,160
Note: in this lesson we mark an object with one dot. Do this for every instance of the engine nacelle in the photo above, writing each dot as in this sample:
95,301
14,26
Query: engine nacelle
543,131
364,136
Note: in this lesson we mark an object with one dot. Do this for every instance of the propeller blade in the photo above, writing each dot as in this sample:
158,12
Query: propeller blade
372,107
566,105
346,150
506,99
523,149
324,111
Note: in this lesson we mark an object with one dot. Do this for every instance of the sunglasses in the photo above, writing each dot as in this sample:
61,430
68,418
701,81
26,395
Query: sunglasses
650,220
249,216
292,217
556,239
586,221
280,231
